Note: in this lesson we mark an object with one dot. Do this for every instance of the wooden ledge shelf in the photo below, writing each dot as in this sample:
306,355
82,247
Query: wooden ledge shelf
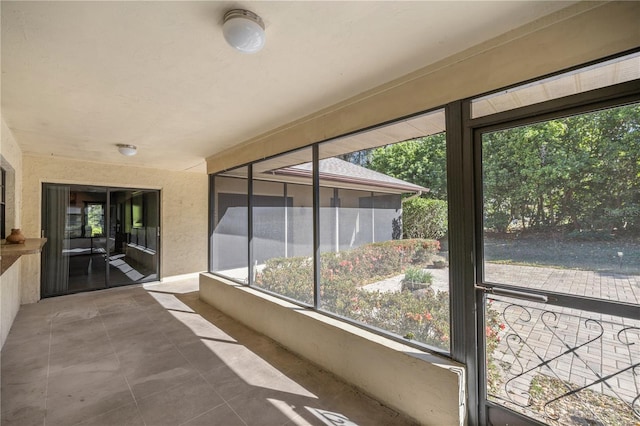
12,252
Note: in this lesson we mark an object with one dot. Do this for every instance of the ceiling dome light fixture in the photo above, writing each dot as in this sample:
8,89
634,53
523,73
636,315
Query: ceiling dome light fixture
243,30
127,150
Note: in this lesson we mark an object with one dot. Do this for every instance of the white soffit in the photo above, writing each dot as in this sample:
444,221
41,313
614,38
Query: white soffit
412,128
80,77
600,75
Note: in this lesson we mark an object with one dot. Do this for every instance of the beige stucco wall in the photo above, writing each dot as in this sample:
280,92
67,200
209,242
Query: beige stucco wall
9,299
576,35
427,388
11,160
183,222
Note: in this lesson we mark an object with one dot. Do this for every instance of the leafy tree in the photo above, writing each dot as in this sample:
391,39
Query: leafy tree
576,173
580,172
95,218
420,161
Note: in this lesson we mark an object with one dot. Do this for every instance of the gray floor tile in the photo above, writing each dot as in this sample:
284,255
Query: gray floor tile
185,328
201,355
142,343
179,404
75,396
127,415
77,334
121,324
227,382
20,399
144,299
97,357
120,303
26,416
32,349
126,356
75,313
158,373
18,374
37,331
170,301
362,409
219,416
267,407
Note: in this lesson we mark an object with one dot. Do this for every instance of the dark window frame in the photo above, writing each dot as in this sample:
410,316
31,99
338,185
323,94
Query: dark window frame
461,188
3,203
315,147
598,99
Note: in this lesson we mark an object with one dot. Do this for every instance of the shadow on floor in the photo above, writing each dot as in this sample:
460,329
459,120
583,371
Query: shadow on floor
157,355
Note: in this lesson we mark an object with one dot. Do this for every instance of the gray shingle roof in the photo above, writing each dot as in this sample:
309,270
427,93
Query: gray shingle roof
335,169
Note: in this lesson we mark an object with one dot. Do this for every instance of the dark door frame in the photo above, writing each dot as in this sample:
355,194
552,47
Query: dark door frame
108,190
466,213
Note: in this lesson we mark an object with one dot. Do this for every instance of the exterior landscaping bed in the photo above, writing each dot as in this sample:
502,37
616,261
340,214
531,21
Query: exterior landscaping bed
572,410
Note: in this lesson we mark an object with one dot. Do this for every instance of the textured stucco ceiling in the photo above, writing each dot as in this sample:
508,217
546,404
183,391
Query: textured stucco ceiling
80,77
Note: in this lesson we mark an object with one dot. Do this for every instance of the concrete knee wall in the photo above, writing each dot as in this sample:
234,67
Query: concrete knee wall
428,388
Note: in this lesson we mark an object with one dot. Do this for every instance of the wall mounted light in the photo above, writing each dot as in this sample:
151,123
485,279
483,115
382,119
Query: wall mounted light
127,150
243,30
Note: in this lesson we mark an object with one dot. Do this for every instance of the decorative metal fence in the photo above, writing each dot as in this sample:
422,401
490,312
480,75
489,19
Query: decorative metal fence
561,365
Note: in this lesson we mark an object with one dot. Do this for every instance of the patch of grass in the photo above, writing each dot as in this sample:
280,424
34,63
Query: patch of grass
513,262
553,250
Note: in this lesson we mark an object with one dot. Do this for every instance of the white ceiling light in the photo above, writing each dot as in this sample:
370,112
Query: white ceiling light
127,150
243,30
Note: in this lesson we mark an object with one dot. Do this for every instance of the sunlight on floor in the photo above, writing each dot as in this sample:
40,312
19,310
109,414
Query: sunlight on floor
247,365
330,418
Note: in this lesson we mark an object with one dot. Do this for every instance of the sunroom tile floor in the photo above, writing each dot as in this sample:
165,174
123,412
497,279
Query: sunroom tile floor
156,355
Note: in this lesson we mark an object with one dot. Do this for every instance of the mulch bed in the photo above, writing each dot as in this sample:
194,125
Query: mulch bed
586,408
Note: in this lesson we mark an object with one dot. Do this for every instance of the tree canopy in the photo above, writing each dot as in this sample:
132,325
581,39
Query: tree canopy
421,161
579,173
575,173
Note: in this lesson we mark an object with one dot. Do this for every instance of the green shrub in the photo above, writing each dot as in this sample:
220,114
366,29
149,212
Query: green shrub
291,277
497,220
416,279
418,275
343,272
424,218
425,318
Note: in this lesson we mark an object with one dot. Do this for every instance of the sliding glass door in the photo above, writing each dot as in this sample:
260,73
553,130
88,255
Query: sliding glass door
59,224
133,234
98,237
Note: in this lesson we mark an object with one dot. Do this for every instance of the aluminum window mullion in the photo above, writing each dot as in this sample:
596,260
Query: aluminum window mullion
316,226
251,268
212,219
460,189
458,243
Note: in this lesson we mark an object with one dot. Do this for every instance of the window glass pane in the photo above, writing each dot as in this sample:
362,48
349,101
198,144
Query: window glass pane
383,227
94,219
283,225
562,205
229,240
619,70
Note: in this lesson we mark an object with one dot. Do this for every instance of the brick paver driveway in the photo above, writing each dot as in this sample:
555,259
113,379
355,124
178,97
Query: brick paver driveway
582,349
